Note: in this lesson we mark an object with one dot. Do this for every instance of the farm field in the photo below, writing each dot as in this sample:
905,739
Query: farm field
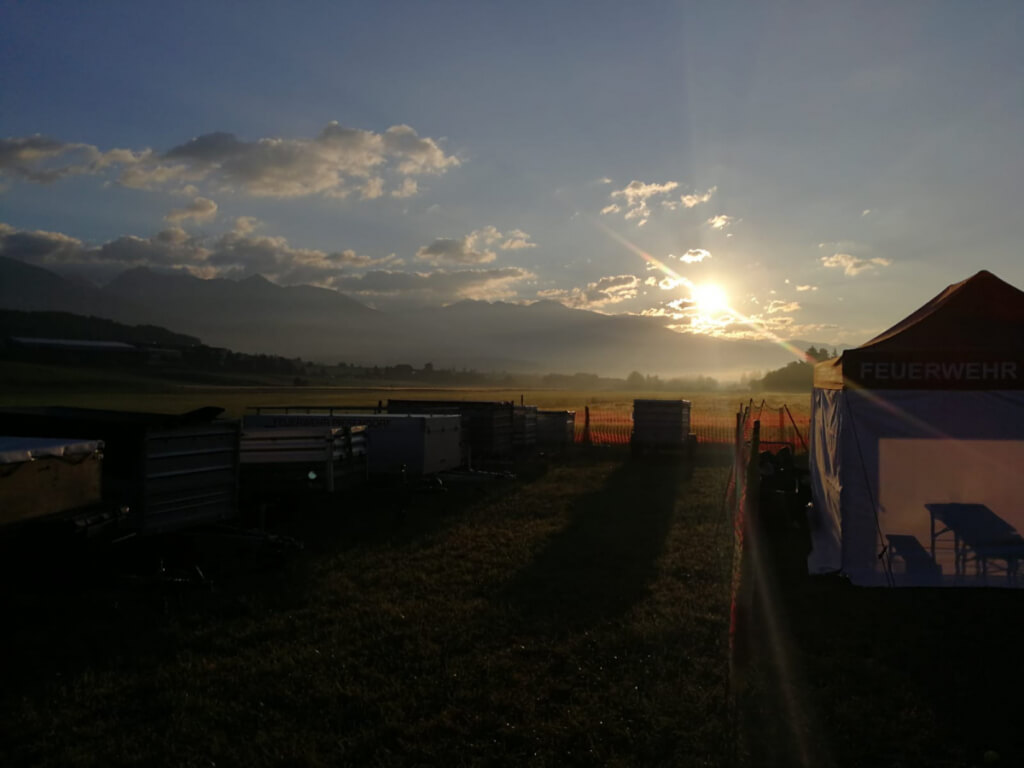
713,415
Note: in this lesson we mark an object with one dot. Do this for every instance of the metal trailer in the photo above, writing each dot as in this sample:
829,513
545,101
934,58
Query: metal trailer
41,477
170,470
661,425
486,425
524,428
410,444
308,457
415,444
556,429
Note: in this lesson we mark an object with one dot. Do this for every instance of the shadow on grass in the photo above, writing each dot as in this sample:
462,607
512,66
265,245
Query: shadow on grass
944,663
601,563
132,604
892,676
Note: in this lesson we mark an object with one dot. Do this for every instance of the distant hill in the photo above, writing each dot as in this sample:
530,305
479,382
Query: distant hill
65,325
26,287
30,288
257,316
251,315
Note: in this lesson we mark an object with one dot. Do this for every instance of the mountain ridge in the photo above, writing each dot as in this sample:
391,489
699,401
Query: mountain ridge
255,315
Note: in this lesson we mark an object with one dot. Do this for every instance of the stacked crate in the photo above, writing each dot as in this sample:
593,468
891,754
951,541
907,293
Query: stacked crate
660,425
556,429
410,444
297,457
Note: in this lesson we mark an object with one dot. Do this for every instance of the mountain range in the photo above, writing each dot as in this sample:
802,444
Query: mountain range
255,315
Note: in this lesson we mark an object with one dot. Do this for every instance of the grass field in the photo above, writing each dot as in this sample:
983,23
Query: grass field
574,616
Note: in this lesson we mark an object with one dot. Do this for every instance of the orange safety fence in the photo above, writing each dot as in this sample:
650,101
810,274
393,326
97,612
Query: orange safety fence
613,426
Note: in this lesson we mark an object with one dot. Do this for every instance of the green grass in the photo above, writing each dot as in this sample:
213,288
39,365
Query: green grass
572,617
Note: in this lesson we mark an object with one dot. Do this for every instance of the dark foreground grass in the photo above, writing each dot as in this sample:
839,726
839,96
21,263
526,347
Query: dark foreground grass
845,676
576,616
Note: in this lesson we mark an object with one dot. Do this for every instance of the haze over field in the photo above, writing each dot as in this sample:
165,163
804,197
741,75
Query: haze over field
774,172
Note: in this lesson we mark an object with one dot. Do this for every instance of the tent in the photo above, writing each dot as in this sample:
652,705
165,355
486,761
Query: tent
917,446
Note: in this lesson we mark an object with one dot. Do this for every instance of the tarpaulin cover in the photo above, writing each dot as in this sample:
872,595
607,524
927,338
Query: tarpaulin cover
15,450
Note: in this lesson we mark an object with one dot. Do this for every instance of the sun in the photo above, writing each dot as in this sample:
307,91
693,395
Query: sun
710,299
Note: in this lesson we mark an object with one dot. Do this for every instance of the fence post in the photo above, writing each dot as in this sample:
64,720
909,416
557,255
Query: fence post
586,425
737,458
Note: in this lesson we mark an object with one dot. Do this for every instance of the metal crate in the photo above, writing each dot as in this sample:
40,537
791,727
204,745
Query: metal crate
486,425
170,470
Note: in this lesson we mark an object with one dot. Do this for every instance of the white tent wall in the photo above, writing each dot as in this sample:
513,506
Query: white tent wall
889,452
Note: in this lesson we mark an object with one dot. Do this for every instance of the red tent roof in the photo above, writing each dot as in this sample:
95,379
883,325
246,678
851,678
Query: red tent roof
979,312
970,336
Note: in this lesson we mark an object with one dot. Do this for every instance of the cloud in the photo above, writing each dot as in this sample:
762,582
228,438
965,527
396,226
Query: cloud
446,250
775,306
234,254
241,254
149,173
608,290
246,224
44,160
37,247
807,288
171,248
866,212
853,265
677,309
685,317
433,288
693,256
515,240
478,247
200,209
334,163
409,188
372,189
635,196
721,221
695,199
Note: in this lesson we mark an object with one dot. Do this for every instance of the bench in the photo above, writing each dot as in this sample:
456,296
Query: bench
918,561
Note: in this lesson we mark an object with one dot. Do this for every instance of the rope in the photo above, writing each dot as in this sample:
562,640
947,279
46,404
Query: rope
796,428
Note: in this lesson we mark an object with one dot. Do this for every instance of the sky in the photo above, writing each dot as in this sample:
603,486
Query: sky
809,170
